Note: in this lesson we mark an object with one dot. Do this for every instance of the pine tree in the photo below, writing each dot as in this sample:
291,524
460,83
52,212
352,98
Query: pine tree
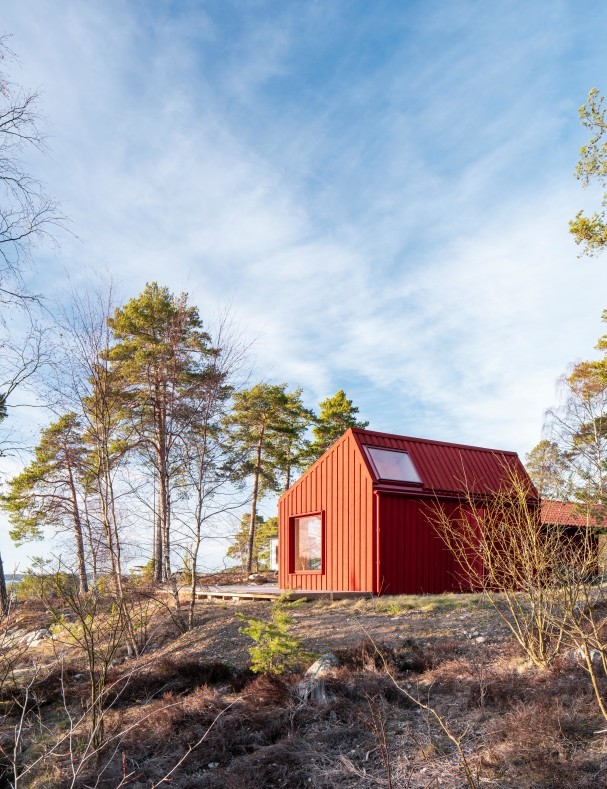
48,491
337,414
264,530
292,446
261,424
277,649
547,466
160,359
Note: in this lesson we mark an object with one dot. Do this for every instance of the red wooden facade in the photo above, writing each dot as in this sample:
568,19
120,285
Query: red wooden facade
363,532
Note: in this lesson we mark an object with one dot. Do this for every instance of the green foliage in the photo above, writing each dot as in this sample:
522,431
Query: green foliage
159,359
147,574
276,650
261,545
265,441
292,447
161,362
337,414
40,585
155,326
591,232
266,427
32,587
41,495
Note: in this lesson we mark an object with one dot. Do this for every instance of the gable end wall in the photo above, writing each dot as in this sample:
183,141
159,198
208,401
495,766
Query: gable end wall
339,485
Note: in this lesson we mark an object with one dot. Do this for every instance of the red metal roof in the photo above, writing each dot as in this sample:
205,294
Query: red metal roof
565,513
450,468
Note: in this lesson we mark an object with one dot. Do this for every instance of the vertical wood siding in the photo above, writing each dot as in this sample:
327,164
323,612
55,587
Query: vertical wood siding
340,486
414,559
359,522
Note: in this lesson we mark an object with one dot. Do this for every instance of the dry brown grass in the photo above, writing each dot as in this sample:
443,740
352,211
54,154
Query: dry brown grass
524,726
542,743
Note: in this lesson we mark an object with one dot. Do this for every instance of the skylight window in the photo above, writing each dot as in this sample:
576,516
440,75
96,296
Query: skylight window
391,464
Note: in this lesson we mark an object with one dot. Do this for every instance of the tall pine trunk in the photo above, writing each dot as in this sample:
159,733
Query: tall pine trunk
91,542
166,537
251,542
163,538
4,604
158,546
82,576
163,542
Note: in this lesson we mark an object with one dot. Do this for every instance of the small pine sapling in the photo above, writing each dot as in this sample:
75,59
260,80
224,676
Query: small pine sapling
276,649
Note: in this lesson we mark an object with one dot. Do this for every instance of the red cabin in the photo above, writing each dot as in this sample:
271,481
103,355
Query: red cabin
359,519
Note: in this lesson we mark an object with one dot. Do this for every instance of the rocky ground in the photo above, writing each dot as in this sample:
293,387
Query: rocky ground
518,726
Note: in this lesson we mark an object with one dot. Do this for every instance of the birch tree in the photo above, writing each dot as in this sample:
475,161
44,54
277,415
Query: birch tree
85,382
205,478
579,428
547,465
28,216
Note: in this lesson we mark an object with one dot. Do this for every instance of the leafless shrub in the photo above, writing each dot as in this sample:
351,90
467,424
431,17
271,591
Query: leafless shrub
585,622
503,549
432,713
377,723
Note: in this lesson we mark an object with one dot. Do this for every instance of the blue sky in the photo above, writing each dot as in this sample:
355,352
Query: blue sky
380,190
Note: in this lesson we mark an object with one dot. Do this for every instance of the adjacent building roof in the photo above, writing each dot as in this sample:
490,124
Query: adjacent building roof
565,513
444,467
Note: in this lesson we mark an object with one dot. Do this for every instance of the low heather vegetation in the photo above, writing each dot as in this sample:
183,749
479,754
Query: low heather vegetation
435,695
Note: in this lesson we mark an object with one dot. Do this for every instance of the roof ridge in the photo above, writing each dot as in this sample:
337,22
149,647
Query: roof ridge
363,431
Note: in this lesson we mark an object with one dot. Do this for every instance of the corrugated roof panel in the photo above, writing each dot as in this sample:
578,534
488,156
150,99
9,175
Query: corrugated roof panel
449,467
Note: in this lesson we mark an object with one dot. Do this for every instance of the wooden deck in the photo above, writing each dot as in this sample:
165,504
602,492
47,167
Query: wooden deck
267,592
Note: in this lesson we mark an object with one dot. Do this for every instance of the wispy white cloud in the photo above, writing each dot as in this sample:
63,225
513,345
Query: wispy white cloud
382,192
